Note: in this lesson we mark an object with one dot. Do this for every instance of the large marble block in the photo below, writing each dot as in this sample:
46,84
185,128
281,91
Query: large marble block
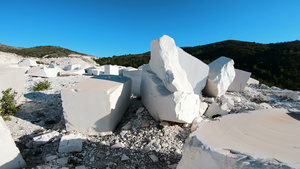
42,72
240,81
96,105
162,104
165,64
11,77
27,62
111,70
10,156
136,76
195,69
256,139
220,76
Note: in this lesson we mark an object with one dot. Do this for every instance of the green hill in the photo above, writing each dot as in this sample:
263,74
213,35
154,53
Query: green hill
38,51
272,64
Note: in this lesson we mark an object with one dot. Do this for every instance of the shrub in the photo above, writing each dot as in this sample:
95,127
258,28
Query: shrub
8,103
45,85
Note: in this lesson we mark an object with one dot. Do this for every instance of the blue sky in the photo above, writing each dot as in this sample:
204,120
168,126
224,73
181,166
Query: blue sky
114,27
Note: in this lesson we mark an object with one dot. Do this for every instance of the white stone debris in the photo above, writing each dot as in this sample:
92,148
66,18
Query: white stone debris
27,62
165,64
124,157
263,106
45,137
100,101
42,72
70,143
216,109
252,81
221,75
136,77
72,67
10,156
240,81
165,105
294,95
111,70
245,140
76,72
14,78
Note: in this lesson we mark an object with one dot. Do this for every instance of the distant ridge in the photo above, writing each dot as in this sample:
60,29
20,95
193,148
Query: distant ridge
274,64
39,51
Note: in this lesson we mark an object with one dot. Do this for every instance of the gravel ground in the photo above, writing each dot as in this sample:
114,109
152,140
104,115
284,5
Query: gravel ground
139,141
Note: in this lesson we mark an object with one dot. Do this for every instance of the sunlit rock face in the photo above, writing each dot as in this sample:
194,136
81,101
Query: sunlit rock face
221,75
240,81
96,105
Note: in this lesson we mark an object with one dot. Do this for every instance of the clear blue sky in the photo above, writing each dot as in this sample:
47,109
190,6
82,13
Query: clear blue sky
114,27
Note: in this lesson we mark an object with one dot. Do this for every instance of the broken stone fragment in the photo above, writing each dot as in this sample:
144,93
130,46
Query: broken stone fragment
221,75
245,140
294,95
10,156
240,81
45,137
216,109
70,143
165,64
101,101
165,105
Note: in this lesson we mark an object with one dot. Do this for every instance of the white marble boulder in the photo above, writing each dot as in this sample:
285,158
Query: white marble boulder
10,156
162,104
240,81
111,70
11,77
195,69
95,106
221,75
256,139
136,76
165,64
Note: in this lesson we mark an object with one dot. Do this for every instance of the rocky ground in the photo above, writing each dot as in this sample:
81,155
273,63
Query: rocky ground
139,141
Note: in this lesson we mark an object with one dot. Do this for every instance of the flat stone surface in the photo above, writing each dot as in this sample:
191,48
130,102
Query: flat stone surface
262,134
136,76
70,143
240,81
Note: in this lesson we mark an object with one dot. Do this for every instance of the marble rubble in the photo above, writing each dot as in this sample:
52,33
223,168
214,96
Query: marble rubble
240,81
10,156
162,104
136,77
255,139
72,67
100,101
12,77
221,75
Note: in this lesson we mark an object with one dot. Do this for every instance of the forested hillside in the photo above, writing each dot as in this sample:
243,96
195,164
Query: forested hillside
272,64
39,51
